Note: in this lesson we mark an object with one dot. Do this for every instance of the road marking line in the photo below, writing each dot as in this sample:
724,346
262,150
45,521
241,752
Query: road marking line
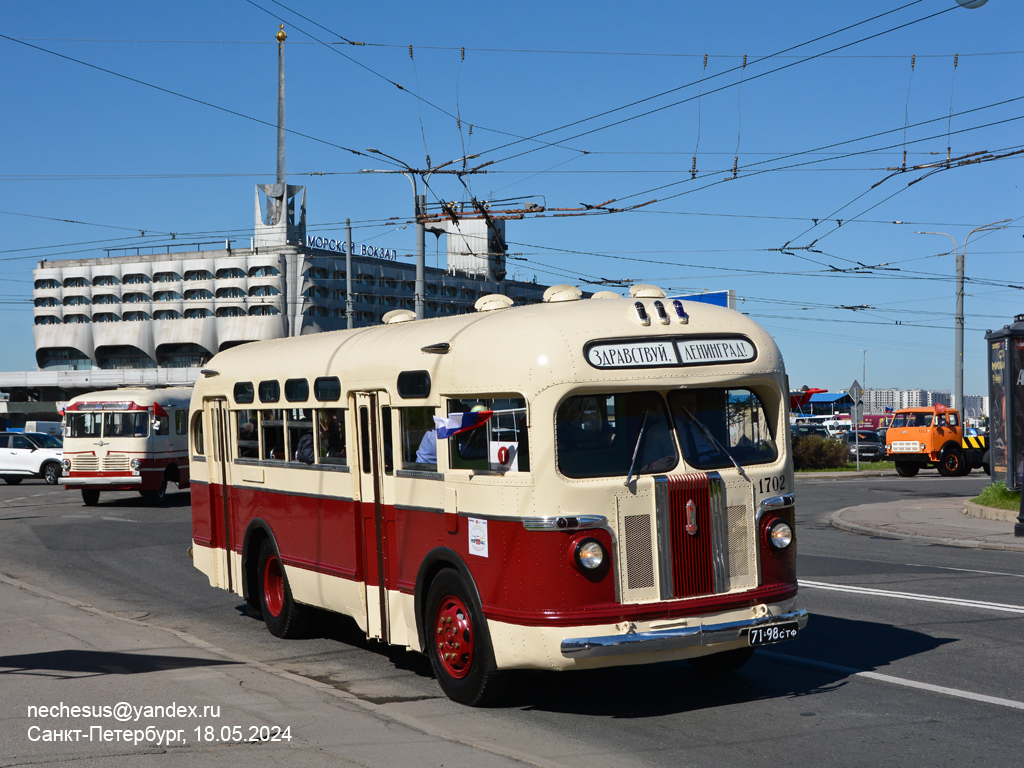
922,565
119,519
912,596
955,692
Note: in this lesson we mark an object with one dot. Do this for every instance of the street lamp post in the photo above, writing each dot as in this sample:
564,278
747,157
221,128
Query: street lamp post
958,353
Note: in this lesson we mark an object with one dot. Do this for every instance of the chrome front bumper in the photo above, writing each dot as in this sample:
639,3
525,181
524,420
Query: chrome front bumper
672,639
75,482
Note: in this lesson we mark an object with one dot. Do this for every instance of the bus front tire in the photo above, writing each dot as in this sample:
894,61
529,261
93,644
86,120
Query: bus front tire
156,495
283,616
90,497
721,663
458,643
906,470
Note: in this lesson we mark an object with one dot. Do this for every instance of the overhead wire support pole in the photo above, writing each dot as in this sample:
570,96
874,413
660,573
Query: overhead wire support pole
420,212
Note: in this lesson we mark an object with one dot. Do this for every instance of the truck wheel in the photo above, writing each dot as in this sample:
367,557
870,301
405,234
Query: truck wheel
951,464
282,615
458,643
90,497
906,470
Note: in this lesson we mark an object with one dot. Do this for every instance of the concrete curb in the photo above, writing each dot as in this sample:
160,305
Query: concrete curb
837,522
990,513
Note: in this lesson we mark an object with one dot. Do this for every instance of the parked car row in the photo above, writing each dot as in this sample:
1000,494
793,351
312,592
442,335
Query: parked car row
868,443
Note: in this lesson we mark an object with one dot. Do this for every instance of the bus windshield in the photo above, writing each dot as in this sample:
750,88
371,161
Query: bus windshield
733,417
598,435
126,424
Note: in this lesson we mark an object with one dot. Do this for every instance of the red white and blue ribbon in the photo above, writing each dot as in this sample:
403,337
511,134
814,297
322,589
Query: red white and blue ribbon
460,422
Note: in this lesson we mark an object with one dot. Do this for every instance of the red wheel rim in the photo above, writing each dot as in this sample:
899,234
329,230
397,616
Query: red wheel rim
454,635
273,586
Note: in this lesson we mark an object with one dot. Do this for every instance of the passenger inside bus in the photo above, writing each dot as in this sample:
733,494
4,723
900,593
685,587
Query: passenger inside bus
331,428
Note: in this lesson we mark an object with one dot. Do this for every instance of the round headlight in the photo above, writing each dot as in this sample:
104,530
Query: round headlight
589,554
923,447
66,464
888,447
135,463
780,534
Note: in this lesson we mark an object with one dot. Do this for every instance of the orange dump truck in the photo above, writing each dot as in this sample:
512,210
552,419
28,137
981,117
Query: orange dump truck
933,437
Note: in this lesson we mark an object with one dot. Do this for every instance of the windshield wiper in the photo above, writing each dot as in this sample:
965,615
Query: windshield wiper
636,449
711,437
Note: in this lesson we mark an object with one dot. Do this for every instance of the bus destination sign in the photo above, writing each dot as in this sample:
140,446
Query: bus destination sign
669,353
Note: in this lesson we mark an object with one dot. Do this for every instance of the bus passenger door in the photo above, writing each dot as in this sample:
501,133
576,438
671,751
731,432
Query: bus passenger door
376,505
216,418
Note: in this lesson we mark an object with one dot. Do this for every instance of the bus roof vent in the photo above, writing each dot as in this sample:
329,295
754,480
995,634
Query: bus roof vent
606,295
398,316
640,291
492,301
562,293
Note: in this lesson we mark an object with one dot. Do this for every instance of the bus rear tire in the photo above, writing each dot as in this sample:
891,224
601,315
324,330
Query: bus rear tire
722,663
458,643
283,616
90,497
906,470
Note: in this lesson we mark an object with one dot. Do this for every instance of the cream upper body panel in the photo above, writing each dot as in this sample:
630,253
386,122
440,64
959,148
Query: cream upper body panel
523,349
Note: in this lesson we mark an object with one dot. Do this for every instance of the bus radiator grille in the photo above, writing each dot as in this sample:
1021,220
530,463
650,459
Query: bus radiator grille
116,463
690,524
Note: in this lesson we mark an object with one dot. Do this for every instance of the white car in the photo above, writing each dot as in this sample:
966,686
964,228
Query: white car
30,454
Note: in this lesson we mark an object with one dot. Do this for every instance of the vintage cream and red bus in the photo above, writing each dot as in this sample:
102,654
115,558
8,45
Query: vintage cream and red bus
627,497
128,439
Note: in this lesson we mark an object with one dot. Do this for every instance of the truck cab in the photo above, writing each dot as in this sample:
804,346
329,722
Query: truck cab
933,437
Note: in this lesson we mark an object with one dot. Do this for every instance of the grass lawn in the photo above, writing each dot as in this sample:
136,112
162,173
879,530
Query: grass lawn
997,496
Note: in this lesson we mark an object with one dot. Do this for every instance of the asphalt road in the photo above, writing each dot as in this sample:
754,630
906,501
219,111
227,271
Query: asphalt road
912,655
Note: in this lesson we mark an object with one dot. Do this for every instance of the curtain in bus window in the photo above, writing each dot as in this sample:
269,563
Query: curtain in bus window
272,434
84,424
331,436
598,435
126,424
734,418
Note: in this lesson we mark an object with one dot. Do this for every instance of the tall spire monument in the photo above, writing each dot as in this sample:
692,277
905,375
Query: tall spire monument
277,221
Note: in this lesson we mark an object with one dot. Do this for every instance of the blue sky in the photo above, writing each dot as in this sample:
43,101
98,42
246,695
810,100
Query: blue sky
573,104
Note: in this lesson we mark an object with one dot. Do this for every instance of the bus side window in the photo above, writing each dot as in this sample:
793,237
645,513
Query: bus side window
248,441
162,424
331,436
272,434
419,439
499,445
387,438
198,448
300,436
180,420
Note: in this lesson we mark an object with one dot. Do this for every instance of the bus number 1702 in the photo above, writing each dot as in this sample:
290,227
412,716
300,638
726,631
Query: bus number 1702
771,484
